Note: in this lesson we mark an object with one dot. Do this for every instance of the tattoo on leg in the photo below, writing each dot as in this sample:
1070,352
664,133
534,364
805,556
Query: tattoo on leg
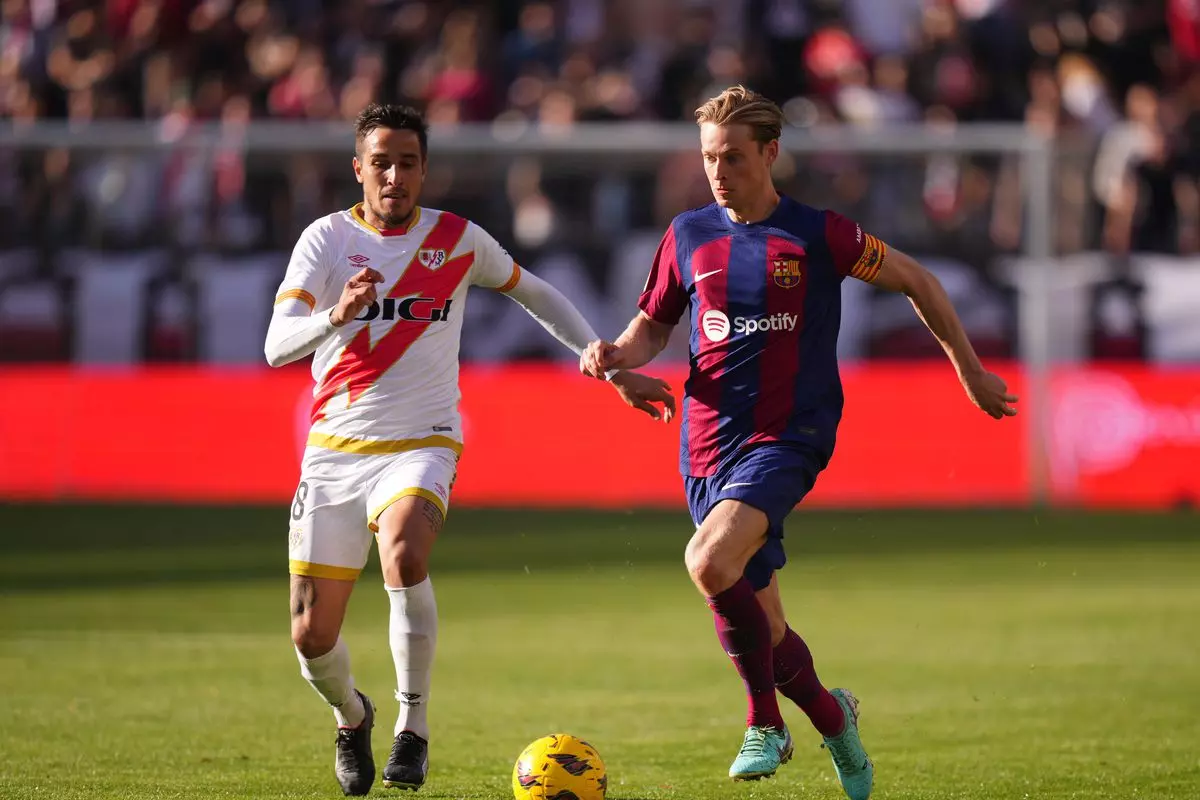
433,514
304,594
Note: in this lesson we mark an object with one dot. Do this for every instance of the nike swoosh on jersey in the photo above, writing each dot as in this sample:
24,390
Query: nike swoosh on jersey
734,485
702,275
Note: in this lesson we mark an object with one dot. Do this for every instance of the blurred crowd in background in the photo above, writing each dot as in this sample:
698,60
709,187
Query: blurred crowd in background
1115,82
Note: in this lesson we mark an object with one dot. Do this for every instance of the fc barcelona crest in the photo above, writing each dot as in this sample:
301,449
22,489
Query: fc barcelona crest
786,271
431,259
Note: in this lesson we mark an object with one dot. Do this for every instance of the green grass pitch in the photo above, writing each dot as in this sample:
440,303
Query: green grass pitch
144,653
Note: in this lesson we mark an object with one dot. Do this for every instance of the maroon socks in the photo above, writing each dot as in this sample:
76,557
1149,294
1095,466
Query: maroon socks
745,634
798,682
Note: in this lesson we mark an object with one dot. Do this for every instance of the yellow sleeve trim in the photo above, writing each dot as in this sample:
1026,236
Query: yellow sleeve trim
513,279
297,294
310,570
415,491
869,263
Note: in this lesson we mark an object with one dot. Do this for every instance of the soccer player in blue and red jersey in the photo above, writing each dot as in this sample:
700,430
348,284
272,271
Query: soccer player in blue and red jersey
759,276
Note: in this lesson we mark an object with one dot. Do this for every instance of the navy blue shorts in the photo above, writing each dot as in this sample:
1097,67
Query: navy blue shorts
772,478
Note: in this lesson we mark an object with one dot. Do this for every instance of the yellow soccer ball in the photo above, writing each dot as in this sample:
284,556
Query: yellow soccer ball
559,767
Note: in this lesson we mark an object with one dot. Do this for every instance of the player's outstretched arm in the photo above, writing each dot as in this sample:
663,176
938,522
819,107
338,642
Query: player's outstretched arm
295,331
556,314
642,341
552,310
901,273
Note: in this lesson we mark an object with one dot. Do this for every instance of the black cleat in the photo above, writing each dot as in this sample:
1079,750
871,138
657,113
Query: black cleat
353,762
408,764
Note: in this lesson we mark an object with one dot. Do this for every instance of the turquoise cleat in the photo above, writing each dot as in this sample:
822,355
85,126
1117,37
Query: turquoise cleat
854,768
763,749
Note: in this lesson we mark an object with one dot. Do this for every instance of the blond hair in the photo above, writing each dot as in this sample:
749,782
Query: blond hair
739,105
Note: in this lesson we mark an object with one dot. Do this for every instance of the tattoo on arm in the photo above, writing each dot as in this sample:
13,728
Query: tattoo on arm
433,515
304,594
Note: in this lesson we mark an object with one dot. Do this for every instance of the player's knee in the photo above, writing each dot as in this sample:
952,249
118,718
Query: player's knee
310,637
407,565
709,571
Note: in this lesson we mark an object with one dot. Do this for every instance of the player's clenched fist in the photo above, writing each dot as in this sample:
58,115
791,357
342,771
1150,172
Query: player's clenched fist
357,295
596,358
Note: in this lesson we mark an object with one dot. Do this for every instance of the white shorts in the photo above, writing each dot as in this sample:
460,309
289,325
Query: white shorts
341,496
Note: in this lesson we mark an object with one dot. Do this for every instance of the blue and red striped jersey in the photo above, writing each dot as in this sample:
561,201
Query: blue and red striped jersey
764,305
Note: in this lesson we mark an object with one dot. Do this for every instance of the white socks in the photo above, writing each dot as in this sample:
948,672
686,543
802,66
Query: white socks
412,633
330,676
413,637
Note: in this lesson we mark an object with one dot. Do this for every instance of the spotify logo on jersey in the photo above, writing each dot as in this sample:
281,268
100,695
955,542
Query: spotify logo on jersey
715,325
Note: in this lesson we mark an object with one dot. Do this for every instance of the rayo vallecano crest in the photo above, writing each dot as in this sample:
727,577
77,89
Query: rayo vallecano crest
430,258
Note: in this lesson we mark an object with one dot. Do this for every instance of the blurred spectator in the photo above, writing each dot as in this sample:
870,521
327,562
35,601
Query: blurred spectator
830,57
1183,19
535,43
1139,180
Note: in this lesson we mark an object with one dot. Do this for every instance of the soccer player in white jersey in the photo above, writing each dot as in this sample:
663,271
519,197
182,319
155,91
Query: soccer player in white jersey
378,293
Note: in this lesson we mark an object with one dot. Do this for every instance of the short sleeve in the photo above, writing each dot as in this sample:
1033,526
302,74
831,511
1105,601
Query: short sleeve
494,268
309,268
664,297
856,254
